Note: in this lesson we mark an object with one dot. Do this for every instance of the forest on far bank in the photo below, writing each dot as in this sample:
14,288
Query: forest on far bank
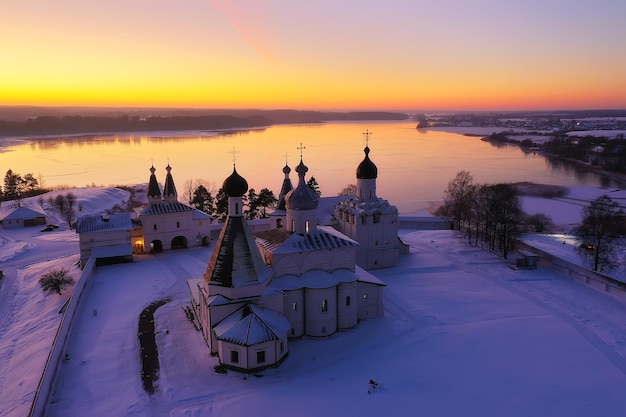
45,121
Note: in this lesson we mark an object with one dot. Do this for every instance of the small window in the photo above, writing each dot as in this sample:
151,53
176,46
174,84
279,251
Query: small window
324,306
376,243
294,306
306,226
376,217
154,227
260,356
363,220
324,330
234,356
365,296
348,301
282,346
177,224
279,223
236,208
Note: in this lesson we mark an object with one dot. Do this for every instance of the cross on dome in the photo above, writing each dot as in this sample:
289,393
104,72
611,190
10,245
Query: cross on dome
367,135
234,152
301,148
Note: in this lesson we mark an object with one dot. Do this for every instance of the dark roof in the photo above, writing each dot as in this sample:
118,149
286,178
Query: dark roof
153,186
169,190
235,185
367,170
287,186
236,260
165,207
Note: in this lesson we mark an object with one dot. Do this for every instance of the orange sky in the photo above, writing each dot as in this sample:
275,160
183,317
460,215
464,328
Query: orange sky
353,54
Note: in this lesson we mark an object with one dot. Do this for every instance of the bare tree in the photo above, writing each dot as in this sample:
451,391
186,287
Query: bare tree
349,189
55,281
458,198
598,231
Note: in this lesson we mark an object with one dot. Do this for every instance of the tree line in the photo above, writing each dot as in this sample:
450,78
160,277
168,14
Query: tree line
17,186
492,215
203,197
67,124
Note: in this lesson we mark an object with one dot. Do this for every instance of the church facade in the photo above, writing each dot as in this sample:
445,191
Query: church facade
370,220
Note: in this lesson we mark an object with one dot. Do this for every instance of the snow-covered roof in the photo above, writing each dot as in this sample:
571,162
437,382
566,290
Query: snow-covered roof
200,215
282,241
22,213
101,223
251,325
165,207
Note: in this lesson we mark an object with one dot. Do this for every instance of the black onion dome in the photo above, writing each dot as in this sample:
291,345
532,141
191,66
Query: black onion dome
367,169
235,185
301,197
286,169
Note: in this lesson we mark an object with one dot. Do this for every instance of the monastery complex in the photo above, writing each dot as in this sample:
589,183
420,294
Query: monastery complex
296,276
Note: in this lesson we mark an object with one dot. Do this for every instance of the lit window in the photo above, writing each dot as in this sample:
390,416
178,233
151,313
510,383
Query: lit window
365,296
324,306
306,226
260,357
295,306
234,356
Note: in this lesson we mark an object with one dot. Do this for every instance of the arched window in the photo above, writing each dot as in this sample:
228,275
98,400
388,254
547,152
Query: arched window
294,306
279,223
154,227
324,305
236,208
348,301
177,224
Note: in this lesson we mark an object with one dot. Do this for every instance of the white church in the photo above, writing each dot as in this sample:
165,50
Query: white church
298,279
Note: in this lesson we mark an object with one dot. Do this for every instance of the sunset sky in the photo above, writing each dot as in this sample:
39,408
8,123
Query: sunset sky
323,54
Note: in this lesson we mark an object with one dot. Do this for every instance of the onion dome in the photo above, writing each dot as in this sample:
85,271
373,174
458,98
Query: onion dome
367,169
235,185
286,170
302,197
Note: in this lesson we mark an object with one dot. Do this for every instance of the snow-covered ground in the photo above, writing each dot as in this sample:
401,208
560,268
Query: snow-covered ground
463,334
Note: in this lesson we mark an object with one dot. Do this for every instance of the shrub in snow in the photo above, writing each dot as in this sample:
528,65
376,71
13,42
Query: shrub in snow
55,281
